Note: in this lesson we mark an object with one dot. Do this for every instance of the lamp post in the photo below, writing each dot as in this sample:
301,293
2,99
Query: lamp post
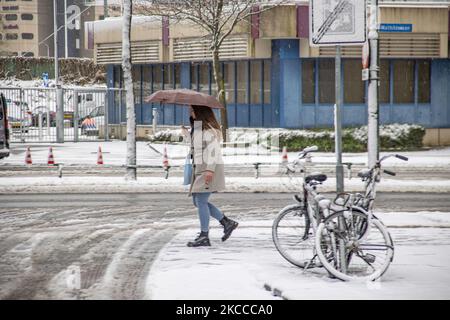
66,46
59,92
372,99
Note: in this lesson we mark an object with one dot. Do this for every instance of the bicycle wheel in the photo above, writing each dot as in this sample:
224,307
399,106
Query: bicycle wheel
349,255
293,236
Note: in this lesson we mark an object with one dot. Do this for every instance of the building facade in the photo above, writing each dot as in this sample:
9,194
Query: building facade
26,26
23,25
275,79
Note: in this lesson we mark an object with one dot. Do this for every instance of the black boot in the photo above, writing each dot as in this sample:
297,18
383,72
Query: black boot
228,227
201,240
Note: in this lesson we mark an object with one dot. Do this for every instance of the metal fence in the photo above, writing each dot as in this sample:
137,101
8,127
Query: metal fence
32,114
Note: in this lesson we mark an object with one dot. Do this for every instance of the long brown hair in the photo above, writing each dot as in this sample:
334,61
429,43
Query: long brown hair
208,119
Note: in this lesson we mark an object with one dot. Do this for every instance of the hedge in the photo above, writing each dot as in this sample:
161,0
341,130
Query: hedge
392,137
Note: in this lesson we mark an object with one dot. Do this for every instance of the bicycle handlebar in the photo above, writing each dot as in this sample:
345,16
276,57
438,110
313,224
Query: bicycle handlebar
401,157
398,156
389,172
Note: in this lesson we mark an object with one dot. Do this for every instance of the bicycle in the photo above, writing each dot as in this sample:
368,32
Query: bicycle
291,230
294,228
353,244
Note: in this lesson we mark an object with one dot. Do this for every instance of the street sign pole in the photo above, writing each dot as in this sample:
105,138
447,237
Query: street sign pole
337,23
372,99
338,123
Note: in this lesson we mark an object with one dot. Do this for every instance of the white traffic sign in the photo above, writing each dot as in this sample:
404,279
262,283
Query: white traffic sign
337,22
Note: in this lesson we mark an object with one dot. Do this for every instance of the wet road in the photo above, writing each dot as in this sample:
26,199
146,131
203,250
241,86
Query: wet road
109,241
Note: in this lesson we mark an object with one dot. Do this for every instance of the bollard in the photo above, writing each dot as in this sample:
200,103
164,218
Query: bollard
256,165
60,167
166,169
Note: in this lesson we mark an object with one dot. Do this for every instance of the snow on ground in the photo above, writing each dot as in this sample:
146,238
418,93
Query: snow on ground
84,153
102,184
244,265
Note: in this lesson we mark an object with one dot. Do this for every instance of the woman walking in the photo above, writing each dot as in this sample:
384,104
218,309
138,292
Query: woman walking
208,172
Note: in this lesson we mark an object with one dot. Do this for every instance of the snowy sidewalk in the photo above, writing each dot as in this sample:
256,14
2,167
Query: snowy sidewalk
108,184
247,266
114,154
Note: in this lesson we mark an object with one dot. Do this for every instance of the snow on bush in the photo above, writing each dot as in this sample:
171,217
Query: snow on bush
168,135
393,136
395,132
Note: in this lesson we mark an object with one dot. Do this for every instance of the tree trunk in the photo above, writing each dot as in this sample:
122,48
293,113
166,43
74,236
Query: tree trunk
127,9
218,77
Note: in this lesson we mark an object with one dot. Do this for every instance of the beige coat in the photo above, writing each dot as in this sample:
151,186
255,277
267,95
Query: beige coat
207,156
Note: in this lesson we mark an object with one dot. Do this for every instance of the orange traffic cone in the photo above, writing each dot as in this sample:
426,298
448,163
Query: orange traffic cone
284,156
50,159
28,160
165,159
99,156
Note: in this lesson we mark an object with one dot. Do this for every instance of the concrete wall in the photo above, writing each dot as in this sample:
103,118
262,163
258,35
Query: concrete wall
437,137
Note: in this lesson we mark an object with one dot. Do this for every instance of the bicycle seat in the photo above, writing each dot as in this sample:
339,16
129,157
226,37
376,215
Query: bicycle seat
364,173
316,177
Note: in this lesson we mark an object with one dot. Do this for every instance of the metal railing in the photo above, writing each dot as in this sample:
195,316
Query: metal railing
32,114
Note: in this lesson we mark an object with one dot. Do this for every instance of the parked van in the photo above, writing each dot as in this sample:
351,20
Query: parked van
4,128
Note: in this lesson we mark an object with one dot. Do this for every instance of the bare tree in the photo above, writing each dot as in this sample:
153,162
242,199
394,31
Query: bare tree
218,18
127,9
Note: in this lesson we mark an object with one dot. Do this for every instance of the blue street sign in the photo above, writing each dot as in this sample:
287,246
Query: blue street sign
45,78
395,27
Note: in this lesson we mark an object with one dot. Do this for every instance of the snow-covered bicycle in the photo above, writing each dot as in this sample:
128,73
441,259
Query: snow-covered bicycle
352,244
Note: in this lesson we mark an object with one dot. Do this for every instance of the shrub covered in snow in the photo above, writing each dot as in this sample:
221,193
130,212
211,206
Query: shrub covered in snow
168,135
393,136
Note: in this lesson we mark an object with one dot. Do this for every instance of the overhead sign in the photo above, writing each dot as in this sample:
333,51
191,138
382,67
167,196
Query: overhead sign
337,22
395,27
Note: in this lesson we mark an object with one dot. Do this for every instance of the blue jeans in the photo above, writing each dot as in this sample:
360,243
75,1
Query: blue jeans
205,209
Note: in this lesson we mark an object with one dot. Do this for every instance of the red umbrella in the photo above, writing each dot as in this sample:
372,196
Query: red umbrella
184,96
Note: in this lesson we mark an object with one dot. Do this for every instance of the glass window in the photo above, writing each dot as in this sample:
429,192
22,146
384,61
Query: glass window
204,78
117,74
424,81
385,82
403,81
194,78
146,81
214,90
11,17
26,16
157,77
28,54
136,70
326,81
27,36
242,79
12,36
117,84
255,82
228,76
168,76
177,76
308,81
267,81
354,90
